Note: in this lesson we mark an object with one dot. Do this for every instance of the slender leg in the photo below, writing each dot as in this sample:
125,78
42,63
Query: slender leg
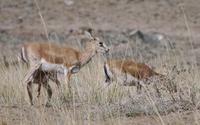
29,79
54,78
139,88
49,92
58,83
173,86
107,80
107,83
157,90
41,78
172,89
39,89
30,90
68,82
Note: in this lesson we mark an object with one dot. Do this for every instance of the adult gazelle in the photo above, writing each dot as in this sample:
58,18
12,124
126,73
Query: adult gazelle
47,59
130,73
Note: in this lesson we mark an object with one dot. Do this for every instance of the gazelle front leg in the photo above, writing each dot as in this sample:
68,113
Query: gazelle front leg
39,89
54,77
67,81
68,72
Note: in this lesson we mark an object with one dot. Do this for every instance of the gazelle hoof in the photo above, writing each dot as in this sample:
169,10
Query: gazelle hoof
31,103
38,96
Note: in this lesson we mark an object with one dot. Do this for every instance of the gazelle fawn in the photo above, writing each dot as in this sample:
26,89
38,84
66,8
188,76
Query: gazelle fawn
130,73
53,58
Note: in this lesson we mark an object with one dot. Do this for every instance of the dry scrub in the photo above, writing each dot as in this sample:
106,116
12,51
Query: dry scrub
91,105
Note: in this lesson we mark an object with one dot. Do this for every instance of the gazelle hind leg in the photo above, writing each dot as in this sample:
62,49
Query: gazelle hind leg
54,78
155,86
49,93
139,88
172,89
40,78
30,91
29,79
57,83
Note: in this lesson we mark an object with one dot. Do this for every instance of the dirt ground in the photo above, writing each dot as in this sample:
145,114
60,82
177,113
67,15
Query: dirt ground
21,18
113,20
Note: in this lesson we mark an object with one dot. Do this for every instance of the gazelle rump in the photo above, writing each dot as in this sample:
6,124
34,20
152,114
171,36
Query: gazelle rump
67,59
128,73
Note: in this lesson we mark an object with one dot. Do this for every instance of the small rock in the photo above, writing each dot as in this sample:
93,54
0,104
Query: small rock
68,2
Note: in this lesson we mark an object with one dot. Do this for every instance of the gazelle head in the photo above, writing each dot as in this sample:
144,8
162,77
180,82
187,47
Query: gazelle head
95,43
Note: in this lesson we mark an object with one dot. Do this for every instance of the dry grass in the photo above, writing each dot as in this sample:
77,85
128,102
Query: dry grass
90,105
113,105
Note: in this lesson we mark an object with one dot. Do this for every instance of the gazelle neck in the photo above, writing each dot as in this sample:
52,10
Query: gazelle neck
87,54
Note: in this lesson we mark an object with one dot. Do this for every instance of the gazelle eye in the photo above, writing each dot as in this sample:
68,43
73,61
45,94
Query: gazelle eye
101,44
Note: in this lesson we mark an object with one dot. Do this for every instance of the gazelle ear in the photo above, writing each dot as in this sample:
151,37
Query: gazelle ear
96,38
90,30
88,35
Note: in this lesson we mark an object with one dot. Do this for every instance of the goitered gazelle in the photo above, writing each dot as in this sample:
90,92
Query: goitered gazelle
46,59
130,73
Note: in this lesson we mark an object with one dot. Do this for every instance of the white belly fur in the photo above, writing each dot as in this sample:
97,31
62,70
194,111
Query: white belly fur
131,81
49,67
